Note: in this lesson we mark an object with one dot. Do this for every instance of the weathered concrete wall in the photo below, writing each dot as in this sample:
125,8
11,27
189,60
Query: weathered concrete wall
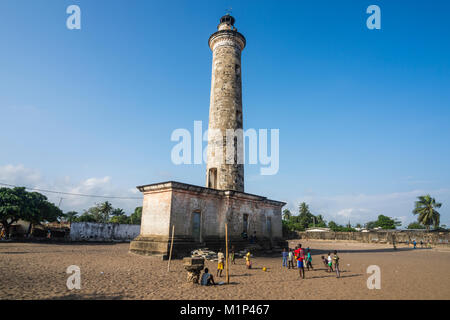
174,203
157,207
400,236
90,231
217,209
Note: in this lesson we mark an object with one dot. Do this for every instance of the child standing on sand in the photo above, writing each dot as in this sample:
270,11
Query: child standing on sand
233,256
336,264
285,257
299,253
248,263
220,261
290,259
301,268
330,263
309,260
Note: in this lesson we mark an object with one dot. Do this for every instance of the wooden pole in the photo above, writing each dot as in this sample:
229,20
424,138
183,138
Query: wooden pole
226,254
171,246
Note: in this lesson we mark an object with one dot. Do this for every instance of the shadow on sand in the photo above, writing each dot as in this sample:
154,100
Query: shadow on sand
381,250
85,296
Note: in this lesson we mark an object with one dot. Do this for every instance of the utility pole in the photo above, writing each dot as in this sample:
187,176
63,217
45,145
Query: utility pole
227,274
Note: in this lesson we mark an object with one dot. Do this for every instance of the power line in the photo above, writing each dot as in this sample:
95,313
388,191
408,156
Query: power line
73,194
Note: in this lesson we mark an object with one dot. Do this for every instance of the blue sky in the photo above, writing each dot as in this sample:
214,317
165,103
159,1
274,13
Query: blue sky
363,114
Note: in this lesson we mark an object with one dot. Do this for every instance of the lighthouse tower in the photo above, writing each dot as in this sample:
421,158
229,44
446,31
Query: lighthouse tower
225,165
188,216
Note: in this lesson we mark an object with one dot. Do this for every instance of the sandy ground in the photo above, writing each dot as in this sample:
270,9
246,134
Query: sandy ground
108,271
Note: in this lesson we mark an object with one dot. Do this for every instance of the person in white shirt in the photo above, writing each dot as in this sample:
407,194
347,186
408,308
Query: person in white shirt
221,260
330,262
290,259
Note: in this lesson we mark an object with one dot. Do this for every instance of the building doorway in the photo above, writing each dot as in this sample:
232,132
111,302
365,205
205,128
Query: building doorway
269,226
196,226
245,223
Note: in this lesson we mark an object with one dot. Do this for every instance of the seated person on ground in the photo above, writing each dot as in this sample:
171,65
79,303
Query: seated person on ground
207,278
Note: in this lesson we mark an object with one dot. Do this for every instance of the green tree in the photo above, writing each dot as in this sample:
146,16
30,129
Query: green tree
122,219
385,222
105,210
119,216
71,216
415,225
339,228
286,214
12,202
38,210
425,209
305,217
86,217
333,226
136,216
320,221
17,203
98,213
371,225
303,220
117,212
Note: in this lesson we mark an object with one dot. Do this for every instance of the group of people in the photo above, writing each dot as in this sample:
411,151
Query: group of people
422,243
252,238
208,279
302,260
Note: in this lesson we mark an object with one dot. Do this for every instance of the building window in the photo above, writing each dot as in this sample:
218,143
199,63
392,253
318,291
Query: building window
212,178
245,223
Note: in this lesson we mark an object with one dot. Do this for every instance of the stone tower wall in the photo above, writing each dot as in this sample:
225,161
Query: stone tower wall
225,111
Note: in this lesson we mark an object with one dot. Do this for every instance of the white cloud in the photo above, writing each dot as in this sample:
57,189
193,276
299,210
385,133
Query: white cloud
22,176
18,175
352,213
358,208
361,208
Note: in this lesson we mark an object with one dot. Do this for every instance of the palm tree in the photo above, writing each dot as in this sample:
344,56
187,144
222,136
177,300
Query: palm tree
286,214
303,209
425,209
320,219
105,209
70,216
117,212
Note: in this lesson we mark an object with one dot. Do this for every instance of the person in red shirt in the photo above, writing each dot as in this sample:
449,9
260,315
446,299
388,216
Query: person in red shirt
300,256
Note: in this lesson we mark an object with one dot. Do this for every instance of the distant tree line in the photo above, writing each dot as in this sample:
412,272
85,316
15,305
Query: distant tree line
18,204
105,213
425,209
